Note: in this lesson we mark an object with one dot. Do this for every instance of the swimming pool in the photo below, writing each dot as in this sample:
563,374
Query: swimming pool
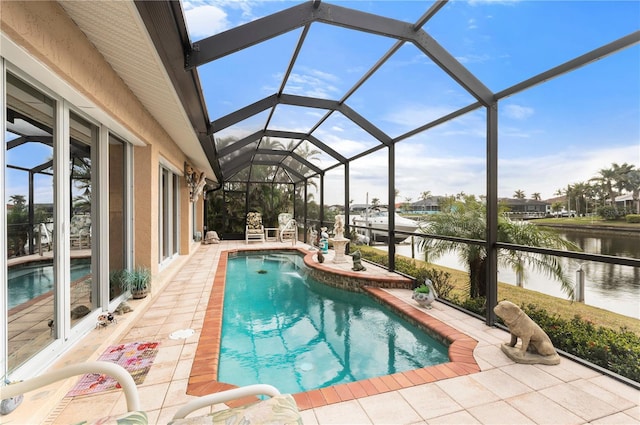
288,330
30,280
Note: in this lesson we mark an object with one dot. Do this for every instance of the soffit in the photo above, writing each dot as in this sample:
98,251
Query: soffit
118,33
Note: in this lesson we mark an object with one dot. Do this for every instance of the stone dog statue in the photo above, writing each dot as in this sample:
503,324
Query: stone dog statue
536,346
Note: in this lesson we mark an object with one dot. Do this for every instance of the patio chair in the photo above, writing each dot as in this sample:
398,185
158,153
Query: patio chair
254,230
288,228
80,231
278,409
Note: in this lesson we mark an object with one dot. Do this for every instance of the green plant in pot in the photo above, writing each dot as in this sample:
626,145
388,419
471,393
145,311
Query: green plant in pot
137,281
425,294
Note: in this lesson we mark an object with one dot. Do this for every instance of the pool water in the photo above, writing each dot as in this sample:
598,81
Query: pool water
290,331
30,280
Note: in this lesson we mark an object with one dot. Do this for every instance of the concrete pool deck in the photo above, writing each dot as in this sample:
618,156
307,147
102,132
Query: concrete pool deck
501,392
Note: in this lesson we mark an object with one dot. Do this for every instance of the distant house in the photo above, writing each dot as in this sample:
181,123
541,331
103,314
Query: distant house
524,206
430,205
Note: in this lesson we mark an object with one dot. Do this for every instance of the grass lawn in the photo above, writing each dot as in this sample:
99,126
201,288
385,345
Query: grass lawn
554,306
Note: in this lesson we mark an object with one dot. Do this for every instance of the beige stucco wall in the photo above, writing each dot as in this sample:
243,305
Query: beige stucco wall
47,33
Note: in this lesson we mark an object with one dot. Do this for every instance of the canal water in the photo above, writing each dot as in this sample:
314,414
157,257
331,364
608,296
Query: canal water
611,287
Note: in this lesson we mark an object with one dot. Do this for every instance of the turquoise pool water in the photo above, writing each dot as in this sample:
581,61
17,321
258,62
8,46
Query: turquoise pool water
30,280
290,331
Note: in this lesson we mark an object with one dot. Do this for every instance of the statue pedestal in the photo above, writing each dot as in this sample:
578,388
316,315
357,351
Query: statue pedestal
339,245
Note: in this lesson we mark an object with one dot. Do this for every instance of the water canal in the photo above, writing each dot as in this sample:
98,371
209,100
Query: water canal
612,287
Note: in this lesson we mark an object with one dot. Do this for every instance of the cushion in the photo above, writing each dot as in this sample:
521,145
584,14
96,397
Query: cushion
254,220
278,410
129,418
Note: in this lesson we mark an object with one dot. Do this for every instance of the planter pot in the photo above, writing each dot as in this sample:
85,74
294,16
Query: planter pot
138,294
424,300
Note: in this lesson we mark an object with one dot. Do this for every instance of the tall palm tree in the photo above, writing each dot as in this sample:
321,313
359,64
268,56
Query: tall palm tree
519,194
425,195
536,196
468,220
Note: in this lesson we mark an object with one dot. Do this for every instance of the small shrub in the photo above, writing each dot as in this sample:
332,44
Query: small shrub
632,218
608,212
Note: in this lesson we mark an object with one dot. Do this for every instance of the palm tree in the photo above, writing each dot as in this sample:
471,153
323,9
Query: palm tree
633,186
519,194
607,177
536,196
425,195
468,220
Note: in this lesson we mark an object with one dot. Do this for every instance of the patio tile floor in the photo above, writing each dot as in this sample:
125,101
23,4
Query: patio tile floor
497,391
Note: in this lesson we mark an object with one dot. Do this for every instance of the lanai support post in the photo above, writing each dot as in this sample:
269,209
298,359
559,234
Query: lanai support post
492,212
321,200
346,201
392,206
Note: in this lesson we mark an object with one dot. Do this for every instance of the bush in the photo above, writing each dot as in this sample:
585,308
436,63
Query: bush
617,351
608,212
632,218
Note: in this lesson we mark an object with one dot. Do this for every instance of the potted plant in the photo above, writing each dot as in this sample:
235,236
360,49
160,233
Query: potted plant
425,294
137,281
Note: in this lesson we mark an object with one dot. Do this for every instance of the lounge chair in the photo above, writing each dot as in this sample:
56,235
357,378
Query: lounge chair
278,409
288,228
254,230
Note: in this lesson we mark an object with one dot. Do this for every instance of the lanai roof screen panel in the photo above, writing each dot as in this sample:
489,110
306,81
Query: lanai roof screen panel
315,155
344,136
445,160
333,59
239,176
241,129
263,173
408,91
368,177
403,10
246,76
300,167
238,152
505,42
295,118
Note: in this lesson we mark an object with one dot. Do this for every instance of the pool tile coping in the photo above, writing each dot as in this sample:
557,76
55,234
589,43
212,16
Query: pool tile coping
204,371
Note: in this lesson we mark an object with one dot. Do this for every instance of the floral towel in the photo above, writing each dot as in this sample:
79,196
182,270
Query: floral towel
135,357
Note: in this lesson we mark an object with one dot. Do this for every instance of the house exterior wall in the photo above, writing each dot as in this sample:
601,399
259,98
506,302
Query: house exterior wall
50,38
47,33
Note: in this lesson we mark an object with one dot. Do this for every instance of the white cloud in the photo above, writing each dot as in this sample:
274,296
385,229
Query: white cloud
517,112
205,20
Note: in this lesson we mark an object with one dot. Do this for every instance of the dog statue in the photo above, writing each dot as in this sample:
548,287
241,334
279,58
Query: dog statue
536,346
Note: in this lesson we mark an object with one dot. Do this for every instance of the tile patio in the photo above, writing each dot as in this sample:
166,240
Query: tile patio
482,386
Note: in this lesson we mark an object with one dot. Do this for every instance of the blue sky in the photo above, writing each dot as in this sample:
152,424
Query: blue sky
558,133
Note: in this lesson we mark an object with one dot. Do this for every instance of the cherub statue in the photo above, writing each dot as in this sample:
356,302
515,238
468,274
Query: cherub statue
338,227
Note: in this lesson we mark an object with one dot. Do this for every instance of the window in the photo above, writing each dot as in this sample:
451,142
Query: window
169,218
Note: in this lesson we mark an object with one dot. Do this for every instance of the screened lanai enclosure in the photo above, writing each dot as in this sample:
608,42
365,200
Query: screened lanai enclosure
318,106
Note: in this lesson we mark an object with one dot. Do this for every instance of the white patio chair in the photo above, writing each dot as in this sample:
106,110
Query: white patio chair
254,230
278,409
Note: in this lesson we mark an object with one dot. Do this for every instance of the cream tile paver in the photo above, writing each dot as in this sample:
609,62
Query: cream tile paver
579,402
499,412
348,412
542,410
430,401
377,409
499,383
462,418
466,391
617,418
531,376
603,394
